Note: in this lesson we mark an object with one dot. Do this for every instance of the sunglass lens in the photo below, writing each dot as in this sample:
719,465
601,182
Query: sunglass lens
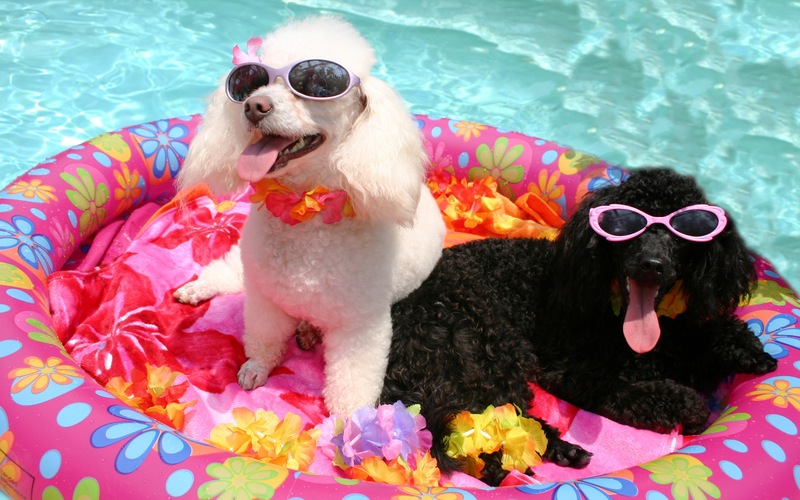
695,222
316,78
621,222
243,80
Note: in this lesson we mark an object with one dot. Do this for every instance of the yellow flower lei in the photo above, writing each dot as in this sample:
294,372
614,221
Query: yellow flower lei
521,439
265,436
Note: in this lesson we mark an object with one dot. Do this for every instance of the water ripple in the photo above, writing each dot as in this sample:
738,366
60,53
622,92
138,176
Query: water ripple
706,86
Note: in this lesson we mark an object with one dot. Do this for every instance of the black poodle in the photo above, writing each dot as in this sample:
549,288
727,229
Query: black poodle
578,316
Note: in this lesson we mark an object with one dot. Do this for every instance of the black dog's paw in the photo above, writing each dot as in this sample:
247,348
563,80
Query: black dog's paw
659,406
758,363
566,454
695,421
691,413
558,452
740,351
493,472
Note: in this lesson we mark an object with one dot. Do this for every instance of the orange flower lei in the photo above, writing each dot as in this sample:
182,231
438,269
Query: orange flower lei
476,207
155,393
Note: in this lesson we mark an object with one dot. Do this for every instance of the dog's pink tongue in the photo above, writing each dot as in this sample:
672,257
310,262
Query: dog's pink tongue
641,321
258,158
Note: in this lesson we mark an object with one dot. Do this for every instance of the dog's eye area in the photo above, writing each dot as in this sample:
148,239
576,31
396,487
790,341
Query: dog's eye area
245,79
311,79
317,78
695,222
621,222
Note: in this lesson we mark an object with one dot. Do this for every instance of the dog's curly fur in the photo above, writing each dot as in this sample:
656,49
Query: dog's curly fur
496,314
338,279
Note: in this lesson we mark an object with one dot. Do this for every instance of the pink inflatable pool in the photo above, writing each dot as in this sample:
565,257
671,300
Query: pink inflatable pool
62,434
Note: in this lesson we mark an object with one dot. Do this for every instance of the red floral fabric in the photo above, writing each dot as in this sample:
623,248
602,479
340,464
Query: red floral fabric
120,316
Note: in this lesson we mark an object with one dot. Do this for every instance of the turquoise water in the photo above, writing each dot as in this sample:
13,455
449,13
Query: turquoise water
709,87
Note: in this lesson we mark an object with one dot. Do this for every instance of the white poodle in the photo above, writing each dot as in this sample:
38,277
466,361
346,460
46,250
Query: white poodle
342,224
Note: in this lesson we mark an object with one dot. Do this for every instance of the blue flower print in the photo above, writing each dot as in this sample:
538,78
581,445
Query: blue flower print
161,146
34,249
592,488
142,434
781,331
616,176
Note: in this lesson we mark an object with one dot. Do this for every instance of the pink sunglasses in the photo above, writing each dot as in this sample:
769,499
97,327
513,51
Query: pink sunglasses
693,223
316,79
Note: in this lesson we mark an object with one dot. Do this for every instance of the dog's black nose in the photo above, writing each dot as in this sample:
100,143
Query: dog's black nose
652,266
256,108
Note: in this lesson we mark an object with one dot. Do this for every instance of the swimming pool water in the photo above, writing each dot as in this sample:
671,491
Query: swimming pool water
709,87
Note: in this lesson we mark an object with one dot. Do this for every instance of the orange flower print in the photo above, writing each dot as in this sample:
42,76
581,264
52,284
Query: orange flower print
9,470
39,374
33,189
468,130
780,392
548,189
433,493
128,190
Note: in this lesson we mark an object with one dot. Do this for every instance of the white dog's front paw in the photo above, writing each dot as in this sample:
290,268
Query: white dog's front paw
252,374
195,292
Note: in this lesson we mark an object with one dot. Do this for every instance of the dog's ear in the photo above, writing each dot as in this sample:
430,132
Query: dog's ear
582,267
722,274
383,156
216,147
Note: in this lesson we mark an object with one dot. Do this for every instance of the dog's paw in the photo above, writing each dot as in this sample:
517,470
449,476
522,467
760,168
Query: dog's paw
659,406
493,472
252,374
758,363
566,454
307,336
694,418
194,292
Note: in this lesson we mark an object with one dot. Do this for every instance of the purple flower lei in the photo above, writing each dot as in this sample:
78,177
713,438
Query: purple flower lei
389,431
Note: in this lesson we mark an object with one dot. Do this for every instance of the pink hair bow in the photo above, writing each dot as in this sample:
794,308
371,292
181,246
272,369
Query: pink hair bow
253,46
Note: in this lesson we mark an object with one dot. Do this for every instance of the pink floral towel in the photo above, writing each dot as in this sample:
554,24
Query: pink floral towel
114,312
